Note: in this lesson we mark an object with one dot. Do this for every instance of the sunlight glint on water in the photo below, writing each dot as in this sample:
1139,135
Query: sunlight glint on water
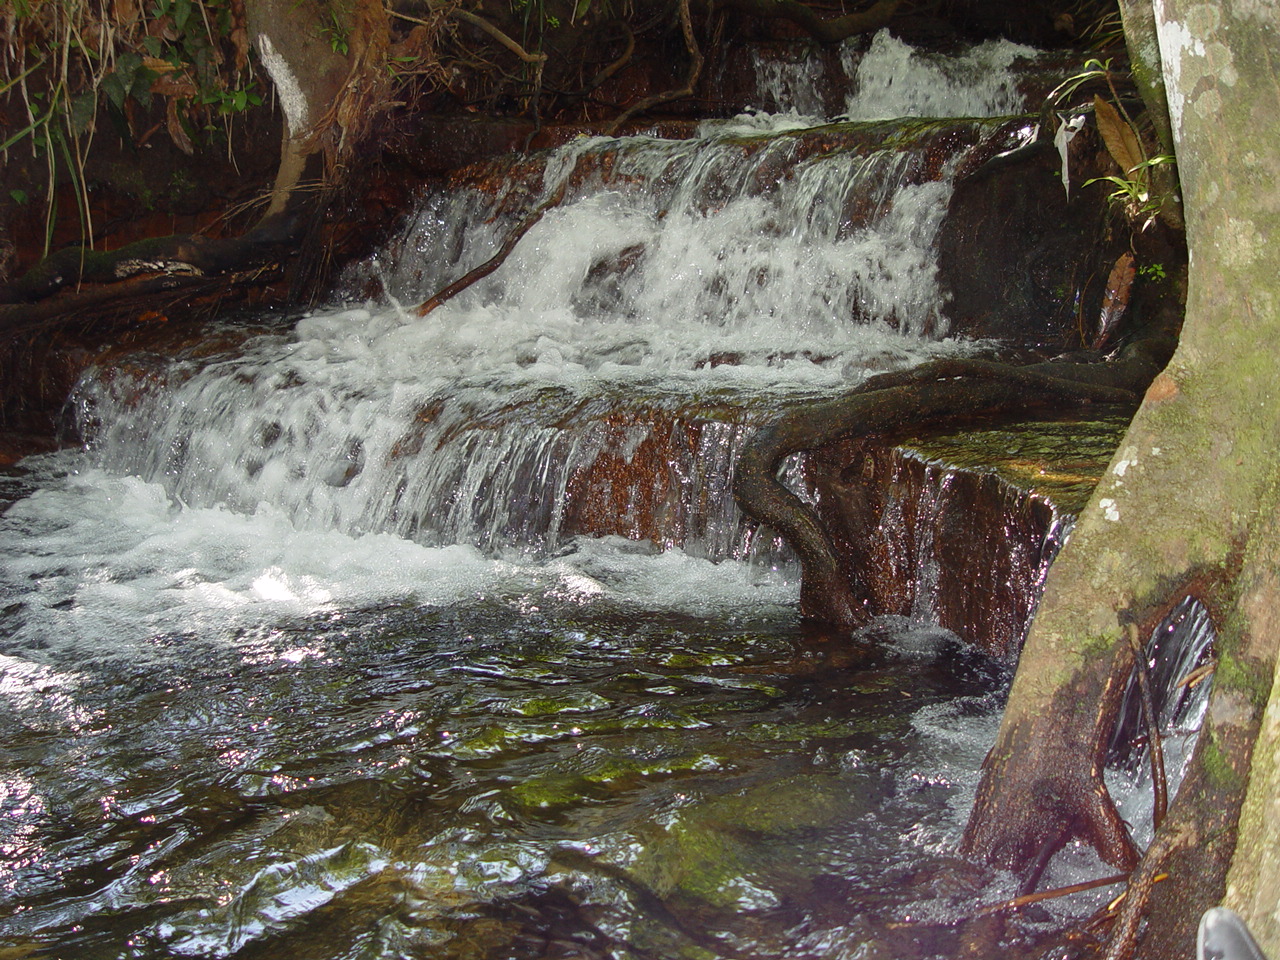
388,636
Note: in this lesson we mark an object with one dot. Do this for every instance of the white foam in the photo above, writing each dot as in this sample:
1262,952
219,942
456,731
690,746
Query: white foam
106,565
895,80
890,79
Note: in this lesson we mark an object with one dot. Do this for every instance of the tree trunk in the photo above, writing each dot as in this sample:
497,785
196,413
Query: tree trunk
1188,503
1253,883
1143,42
327,61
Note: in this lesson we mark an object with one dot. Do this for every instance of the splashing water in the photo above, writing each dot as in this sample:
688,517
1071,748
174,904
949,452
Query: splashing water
379,635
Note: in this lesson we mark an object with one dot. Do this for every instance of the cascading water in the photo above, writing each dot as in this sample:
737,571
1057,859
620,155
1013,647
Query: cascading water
1180,645
1177,657
388,636
678,287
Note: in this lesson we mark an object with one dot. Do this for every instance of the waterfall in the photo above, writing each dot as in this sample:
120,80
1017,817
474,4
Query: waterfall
890,78
1182,642
366,634
599,382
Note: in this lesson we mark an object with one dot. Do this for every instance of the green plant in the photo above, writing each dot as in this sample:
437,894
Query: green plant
1152,271
335,31
1134,194
1093,70
535,20
64,64
1133,188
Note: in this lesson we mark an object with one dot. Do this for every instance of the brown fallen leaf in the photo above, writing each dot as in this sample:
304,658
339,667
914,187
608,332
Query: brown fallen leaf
1120,138
1116,299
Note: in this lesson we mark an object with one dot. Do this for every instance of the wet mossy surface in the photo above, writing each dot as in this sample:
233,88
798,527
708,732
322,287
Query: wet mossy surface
1059,460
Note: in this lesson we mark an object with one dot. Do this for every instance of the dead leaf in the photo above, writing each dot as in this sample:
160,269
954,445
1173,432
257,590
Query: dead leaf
1116,299
176,131
163,27
175,86
126,12
1120,138
239,34
156,65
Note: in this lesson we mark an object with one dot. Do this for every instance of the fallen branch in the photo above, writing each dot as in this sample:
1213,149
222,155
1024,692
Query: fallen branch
1197,675
170,258
1017,903
1159,785
494,262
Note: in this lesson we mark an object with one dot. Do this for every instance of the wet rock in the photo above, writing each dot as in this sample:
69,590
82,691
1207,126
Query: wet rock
1017,259
710,850
960,530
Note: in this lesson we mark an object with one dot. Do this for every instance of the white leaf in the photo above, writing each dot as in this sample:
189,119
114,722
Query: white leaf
1066,133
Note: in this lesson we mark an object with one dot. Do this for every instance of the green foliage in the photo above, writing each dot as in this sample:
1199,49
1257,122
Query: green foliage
536,19
226,102
1093,70
1132,190
335,31
71,62
1134,195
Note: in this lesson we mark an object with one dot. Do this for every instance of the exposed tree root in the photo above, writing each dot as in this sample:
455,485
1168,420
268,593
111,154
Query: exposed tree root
1130,911
498,259
947,391
1045,787
477,21
1195,844
691,79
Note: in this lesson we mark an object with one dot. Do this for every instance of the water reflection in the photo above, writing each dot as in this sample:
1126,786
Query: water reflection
486,782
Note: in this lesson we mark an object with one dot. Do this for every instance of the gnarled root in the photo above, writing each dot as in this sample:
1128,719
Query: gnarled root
934,394
1042,783
1196,842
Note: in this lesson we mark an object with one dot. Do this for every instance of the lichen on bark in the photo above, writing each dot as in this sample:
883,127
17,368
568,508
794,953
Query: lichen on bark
1194,507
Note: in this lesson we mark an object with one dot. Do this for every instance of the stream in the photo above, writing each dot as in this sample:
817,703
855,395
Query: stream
365,635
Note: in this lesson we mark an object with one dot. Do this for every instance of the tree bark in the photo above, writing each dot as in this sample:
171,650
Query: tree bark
1188,504
327,61
1143,43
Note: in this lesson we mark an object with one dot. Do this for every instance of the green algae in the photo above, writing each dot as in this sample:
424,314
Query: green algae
573,702
713,848
828,729
1061,461
608,775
